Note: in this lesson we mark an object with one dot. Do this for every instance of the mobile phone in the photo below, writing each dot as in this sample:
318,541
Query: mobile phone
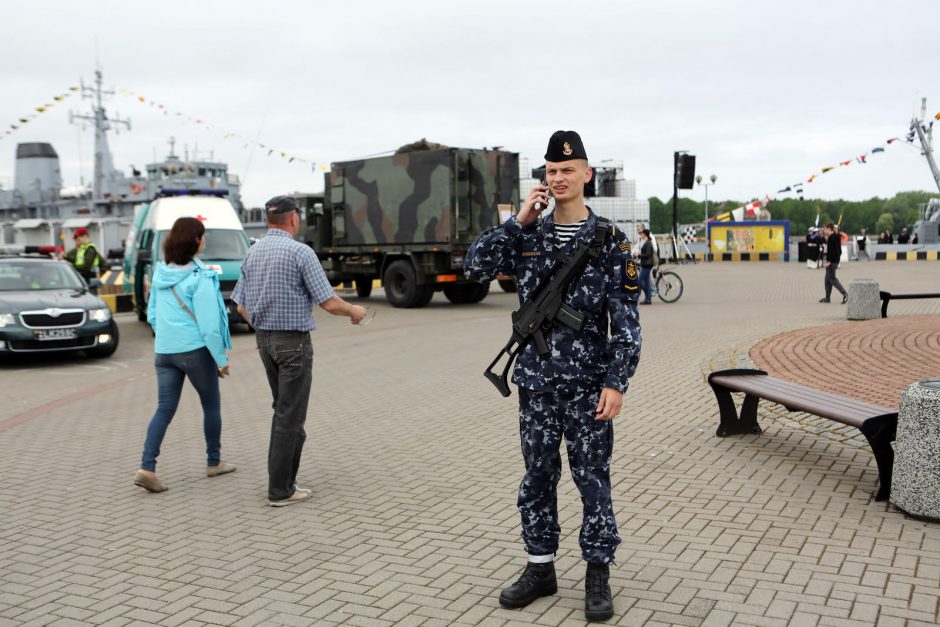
542,206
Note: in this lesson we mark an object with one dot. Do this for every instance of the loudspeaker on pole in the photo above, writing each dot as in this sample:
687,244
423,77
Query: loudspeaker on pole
685,171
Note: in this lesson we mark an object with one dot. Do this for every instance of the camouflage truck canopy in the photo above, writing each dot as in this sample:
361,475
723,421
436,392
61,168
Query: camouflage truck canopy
443,196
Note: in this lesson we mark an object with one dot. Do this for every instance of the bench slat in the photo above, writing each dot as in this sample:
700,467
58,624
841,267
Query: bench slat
762,383
787,392
803,398
783,391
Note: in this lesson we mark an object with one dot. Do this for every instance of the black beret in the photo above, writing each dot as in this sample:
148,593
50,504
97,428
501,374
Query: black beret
565,146
280,204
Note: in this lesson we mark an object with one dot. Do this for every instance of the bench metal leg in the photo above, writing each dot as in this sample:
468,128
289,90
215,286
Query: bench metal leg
881,432
731,422
885,299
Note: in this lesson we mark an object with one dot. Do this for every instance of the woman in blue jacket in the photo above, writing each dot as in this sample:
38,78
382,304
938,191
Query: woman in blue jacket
188,316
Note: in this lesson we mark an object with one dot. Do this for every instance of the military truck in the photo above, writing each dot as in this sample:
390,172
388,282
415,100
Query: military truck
407,219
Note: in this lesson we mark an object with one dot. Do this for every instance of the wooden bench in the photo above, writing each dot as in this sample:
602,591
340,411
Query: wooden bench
887,297
877,423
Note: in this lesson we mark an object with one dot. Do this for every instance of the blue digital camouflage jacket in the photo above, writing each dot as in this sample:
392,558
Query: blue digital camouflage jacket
606,293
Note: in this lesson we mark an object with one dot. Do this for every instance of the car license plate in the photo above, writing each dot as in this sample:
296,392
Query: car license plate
56,334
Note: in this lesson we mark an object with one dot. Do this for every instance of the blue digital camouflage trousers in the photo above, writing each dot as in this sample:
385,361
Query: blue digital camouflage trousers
543,419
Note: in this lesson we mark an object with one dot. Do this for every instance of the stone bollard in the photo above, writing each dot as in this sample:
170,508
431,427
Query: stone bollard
864,300
915,485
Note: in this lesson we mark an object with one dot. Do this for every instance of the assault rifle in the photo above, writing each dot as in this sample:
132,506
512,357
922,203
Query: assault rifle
544,307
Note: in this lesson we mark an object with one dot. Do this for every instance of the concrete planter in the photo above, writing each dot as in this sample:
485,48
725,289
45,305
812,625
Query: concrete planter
864,300
915,488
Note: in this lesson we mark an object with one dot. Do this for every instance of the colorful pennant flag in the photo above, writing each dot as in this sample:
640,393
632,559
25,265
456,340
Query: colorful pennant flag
39,110
246,143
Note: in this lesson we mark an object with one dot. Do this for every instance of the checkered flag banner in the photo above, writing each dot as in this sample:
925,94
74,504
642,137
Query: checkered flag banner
689,231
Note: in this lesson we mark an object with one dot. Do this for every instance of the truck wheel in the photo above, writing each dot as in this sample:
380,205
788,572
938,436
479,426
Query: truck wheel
508,285
425,296
401,286
364,287
465,293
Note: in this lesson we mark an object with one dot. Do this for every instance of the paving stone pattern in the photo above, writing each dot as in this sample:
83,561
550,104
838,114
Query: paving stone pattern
414,461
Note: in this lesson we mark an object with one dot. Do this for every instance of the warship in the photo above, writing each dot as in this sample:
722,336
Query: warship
40,211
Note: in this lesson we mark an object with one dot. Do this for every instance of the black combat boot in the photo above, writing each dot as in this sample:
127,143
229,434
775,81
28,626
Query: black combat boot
537,580
598,605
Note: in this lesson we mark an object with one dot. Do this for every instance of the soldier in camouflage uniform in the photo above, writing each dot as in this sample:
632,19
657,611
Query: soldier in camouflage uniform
578,389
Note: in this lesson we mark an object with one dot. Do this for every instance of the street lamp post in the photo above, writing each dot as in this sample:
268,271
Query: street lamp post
713,179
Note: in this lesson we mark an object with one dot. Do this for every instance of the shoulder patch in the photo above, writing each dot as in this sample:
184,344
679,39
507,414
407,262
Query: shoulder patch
625,247
630,275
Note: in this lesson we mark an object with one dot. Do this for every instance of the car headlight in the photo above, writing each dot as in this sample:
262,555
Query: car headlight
7,319
99,315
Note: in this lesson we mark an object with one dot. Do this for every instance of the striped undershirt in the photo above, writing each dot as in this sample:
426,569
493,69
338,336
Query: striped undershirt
565,232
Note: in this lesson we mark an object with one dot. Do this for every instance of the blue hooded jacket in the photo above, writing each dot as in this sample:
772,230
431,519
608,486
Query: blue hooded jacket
176,331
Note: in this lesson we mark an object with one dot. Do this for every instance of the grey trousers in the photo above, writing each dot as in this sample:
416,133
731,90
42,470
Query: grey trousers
832,281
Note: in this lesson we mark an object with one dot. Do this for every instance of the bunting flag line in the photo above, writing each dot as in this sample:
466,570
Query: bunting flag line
225,133
37,111
797,188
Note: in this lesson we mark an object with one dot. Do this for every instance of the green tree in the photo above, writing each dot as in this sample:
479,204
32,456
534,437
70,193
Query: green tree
903,209
885,223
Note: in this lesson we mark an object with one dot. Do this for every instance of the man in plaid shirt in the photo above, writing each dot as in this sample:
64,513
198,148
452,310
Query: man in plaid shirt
281,280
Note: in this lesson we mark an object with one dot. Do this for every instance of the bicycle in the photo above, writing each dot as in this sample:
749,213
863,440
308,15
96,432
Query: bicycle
667,283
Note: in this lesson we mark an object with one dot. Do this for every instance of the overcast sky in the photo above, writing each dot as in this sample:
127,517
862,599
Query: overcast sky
763,93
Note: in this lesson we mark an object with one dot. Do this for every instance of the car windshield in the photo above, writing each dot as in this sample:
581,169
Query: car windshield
221,245
38,275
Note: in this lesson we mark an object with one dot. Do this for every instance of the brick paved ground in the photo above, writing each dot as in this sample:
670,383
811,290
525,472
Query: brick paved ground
413,460
872,360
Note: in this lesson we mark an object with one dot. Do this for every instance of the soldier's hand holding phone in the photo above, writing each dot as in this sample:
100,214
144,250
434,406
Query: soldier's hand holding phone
534,205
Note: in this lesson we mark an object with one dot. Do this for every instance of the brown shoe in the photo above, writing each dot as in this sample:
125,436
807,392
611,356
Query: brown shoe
221,469
150,483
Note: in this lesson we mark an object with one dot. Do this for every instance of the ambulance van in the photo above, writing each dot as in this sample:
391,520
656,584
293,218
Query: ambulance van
226,244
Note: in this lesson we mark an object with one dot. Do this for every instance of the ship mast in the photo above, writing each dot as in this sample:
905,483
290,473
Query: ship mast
104,165
926,140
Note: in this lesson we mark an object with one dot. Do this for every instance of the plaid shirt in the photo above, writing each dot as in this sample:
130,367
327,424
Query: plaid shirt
280,282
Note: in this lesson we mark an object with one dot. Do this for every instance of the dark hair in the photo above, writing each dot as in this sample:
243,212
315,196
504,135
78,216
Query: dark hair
646,232
182,242
830,226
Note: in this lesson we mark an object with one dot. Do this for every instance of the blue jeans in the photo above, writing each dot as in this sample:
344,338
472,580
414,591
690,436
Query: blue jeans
287,357
645,283
172,369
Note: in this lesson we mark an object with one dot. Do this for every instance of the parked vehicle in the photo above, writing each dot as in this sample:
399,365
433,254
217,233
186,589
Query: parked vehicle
408,219
47,306
226,244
